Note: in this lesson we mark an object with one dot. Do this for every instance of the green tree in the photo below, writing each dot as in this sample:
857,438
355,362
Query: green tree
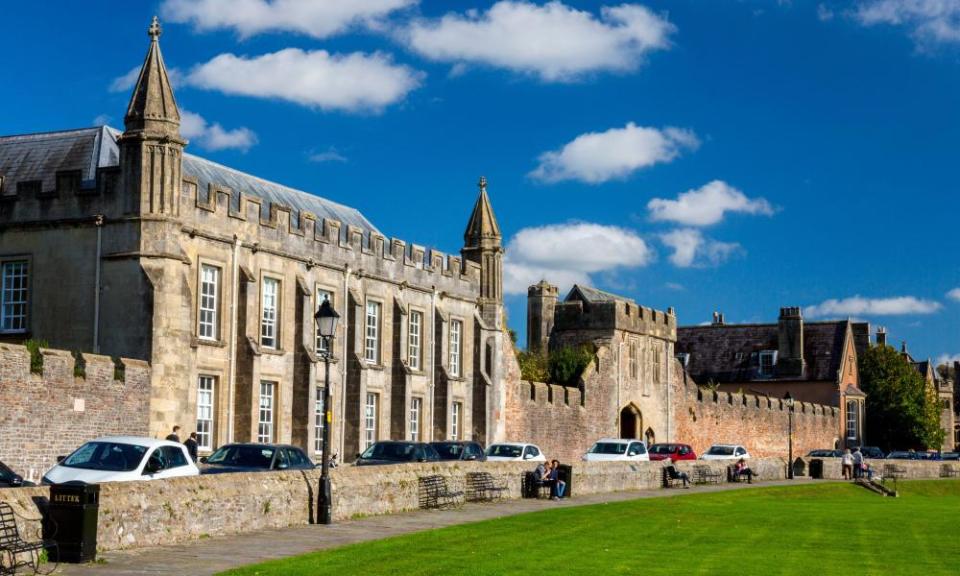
568,363
903,410
533,366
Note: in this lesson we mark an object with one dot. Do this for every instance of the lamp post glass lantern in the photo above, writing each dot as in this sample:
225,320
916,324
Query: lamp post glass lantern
326,318
788,399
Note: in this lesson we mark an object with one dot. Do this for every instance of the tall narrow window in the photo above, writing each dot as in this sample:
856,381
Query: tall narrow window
456,413
768,362
456,334
416,405
852,416
319,418
269,319
209,298
413,340
634,372
370,413
265,422
13,297
205,412
321,296
657,362
371,349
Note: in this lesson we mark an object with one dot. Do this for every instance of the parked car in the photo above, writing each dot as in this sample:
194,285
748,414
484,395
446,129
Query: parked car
672,451
824,453
725,452
617,449
123,459
514,451
872,452
254,457
397,452
902,455
10,479
453,450
951,456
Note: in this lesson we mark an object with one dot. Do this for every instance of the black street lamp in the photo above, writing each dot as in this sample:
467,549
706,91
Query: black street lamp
789,401
326,318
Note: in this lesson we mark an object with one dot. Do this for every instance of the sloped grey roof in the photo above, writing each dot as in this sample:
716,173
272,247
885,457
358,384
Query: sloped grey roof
40,156
593,295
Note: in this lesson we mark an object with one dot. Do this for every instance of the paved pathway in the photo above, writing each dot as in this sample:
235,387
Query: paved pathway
209,556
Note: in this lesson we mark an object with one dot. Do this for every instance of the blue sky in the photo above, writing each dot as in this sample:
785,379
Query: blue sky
724,155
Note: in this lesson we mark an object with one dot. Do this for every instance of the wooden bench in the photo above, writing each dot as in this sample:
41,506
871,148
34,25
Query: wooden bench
703,474
672,476
948,471
434,493
16,551
532,487
481,487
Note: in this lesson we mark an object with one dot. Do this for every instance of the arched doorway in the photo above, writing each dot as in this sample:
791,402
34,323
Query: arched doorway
631,422
650,437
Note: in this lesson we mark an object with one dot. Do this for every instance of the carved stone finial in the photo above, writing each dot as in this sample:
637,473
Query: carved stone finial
154,30
482,183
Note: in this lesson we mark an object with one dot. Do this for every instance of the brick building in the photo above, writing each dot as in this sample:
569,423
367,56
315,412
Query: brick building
814,361
125,244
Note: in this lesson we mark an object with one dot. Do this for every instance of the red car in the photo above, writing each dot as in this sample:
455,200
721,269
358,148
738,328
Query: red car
672,451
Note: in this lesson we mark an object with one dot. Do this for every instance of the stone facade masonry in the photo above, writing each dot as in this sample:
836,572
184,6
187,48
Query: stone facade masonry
46,415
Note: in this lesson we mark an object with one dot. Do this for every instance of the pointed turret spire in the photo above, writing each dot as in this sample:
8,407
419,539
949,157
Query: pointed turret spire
152,106
483,224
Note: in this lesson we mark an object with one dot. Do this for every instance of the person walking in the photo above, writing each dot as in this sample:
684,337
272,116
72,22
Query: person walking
846,463
175,435
857,463
192,446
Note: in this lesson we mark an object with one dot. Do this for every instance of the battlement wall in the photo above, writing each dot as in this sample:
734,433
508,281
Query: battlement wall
71,400
610,316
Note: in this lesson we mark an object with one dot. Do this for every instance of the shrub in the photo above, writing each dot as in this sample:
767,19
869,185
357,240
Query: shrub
533,366
36,358
566,364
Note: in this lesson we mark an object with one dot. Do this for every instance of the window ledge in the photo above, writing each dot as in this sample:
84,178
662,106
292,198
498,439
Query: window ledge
197,341
272,351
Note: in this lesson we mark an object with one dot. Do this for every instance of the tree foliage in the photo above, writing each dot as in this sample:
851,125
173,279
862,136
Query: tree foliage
561,366
902,408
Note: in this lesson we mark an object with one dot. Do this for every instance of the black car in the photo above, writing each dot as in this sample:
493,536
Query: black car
872,452
824,454
453,450
397,452
10,479
255,458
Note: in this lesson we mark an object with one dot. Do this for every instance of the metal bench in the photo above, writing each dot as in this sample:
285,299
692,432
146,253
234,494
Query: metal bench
533,487
481,487
672,476
703,474
893,472
434,493
948,471
17,552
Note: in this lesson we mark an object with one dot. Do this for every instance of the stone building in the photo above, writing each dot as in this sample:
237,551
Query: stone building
814,361
125,244
944,390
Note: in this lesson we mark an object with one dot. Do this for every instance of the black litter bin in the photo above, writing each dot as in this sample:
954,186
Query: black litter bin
816,469
565,473
72,521
530,485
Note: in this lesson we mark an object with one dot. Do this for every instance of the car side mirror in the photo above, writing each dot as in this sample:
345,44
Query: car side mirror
203,460
527,456
152,467
61,459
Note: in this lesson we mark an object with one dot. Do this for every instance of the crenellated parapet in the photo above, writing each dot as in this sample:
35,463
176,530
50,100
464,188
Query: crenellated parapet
615,315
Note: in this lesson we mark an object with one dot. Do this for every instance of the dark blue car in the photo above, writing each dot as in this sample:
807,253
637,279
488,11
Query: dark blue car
255,458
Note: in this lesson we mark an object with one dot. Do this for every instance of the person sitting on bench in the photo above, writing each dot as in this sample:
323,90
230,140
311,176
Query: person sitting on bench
675,474
557,485
741,469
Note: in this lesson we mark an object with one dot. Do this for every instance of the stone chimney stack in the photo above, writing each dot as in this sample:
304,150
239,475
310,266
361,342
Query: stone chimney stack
881,336
790,342
541,305
718,318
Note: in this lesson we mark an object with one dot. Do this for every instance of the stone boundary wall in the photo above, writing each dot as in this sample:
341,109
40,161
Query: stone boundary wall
50,414
913,469
159,512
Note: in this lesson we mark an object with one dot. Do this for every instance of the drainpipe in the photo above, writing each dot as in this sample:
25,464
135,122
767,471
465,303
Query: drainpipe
234,298
96,288
433,363
344,361
616,420
669,371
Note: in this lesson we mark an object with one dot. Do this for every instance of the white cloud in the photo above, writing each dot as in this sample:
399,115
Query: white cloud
214,137
954,294
553,41
859,306
317,18
567,254
596,157
331,154
706,205
354,82
691,249
947,359
928,21
127,81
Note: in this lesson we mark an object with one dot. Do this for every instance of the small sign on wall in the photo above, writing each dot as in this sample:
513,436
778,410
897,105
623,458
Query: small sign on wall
79,405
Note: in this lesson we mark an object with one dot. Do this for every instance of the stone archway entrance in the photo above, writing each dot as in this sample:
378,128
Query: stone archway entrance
631,422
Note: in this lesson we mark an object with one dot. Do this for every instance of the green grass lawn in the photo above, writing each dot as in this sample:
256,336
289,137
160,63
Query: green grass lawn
813,530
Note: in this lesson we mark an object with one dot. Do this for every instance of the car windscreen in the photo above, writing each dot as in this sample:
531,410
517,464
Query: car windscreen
609,448
111,456
663,449
242,456
448,450
720,451
504,451
394,451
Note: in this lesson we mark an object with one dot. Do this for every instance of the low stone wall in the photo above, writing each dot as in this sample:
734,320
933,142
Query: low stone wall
142,514
913,469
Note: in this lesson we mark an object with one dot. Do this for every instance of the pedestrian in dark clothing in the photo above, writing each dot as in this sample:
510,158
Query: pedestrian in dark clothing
558,486
192,446
175,435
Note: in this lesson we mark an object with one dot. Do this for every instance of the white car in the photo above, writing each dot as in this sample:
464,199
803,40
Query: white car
726,452
514,452
123,459
617,449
